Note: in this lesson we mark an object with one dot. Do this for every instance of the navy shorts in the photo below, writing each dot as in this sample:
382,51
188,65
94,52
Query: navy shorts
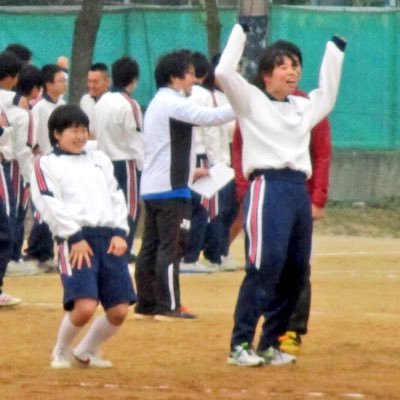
107,280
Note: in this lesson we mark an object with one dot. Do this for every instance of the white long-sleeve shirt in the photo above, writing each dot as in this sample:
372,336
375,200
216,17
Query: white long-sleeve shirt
87,104
41,112
169,158
117,126
277,134
74,191
22,124
204,142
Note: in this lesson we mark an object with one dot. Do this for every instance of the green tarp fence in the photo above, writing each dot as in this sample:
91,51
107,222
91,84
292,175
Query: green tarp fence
367,112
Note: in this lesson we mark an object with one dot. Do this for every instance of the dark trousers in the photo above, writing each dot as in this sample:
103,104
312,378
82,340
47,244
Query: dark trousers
5,241
278,228
198,230
19,194
40,241
128,178
298,321
21,210
227,213
166,229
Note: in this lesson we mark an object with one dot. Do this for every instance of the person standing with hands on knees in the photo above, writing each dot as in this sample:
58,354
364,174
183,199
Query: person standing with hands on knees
77,195
277,210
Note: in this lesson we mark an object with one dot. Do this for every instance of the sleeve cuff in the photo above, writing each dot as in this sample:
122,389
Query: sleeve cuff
1,130
76,237
339,42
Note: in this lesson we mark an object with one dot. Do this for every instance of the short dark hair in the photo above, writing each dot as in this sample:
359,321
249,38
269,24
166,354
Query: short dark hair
21,51
124,71
48,73
172,65
29,78
10,65
201,64
99,67
64,117
290,47
273,57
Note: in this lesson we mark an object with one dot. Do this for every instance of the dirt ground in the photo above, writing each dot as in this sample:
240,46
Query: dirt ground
352,350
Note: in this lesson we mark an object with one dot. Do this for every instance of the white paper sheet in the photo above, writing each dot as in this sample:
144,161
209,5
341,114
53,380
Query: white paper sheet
220,175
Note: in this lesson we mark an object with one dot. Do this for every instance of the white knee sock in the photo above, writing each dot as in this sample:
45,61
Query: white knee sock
66,334
100,330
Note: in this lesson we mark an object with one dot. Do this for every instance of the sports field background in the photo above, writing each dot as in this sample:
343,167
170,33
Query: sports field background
351,351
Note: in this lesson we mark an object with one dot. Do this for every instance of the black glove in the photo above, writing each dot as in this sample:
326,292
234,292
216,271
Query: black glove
340,42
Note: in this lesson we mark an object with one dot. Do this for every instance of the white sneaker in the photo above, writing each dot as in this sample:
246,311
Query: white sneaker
194,268
275,356
89,360
60,359
21,268
7,300
243,356
212,266
228,263
48,266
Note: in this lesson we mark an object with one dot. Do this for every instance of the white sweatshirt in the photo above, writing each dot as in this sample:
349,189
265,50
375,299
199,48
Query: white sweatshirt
117,125
41,112
20,121
87,104
204,142
73,191
169,150
277,134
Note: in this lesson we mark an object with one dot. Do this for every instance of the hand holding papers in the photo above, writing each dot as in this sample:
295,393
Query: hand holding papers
219,176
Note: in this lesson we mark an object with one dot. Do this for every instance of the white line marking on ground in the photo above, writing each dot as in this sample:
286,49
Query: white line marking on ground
354,395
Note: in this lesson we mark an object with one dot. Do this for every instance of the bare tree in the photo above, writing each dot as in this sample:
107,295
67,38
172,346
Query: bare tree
213,27
254,13
85,33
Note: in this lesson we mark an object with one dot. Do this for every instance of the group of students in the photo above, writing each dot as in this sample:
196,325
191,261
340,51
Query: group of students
24,106
88,194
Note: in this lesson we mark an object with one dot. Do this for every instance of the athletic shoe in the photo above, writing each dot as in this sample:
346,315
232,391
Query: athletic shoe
7,300
194,268
290,343
228,264
60,359
22,268
181,314
215,267
48,266
274,356
243,356
88,360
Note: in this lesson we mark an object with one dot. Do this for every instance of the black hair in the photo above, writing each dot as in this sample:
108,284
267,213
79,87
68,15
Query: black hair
290,47
124,71
274,57
21,51
48,73
64,117
10,65
29,78
201,64
99,67
172,65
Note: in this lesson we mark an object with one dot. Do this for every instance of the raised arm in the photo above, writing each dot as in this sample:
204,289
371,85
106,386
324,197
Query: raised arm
235,87
324,97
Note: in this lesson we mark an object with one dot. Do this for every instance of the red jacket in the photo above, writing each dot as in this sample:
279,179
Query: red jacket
320,152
